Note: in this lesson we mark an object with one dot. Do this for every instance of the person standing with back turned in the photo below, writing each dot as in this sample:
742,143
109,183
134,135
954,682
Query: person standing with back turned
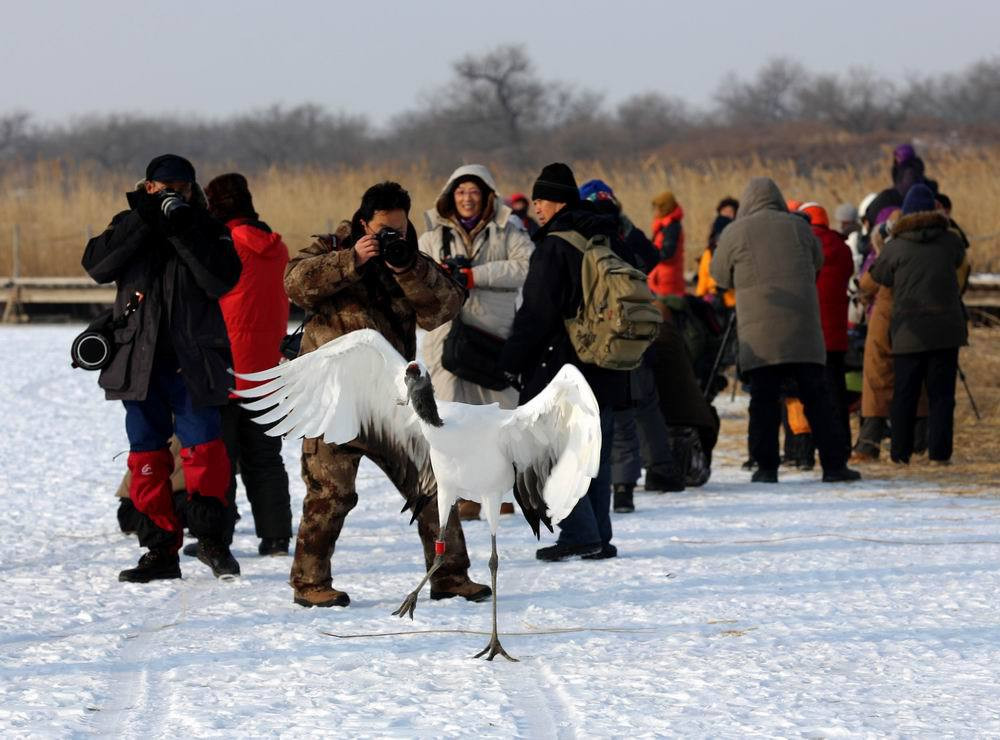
771,258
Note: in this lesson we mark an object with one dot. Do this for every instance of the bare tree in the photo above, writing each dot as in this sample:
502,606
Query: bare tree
858,102
501,84
650,120
14,133
769,98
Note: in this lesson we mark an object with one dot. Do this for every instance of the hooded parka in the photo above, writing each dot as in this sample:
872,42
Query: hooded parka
919,264
770,257
256,310
499,250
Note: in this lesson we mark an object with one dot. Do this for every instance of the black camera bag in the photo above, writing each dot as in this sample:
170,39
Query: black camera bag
474,355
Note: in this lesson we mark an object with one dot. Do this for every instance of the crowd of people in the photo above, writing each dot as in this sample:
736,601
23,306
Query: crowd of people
203,285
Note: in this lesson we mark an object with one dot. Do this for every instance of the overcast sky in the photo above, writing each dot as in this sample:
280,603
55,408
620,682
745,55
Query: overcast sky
217,57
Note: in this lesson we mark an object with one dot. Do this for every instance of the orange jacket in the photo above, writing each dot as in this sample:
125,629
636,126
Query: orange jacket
706,284
667,278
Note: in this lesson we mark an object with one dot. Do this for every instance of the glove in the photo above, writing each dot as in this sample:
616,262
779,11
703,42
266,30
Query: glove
514,379
460,269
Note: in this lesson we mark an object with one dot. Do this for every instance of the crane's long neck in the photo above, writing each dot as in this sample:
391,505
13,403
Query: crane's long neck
422,400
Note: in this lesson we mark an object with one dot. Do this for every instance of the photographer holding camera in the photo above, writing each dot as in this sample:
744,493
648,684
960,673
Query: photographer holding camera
369,274
171,262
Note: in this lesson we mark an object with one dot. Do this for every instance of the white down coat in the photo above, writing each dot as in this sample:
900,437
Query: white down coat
499,254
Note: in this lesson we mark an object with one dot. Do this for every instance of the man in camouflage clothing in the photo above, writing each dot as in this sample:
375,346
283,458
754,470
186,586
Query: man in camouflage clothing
344,281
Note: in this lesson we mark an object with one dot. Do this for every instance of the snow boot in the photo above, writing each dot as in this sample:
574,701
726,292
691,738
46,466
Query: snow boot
155,565
764,475
467,589
218,557
623,503
672,482
273,546
607,551
841,475
557,552
468,511
322,596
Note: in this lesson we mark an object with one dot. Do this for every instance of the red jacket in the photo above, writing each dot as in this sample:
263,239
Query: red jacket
667,278
256,310
831,285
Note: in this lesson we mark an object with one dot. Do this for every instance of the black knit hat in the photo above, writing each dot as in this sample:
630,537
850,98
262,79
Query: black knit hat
556,183
170,168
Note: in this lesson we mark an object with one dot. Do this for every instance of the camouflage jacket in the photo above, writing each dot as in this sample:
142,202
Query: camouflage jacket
324,279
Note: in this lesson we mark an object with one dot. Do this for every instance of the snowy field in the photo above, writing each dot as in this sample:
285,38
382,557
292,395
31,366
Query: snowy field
736,610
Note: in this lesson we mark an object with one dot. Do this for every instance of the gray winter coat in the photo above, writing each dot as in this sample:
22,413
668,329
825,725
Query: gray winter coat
919,264
499,250
771,257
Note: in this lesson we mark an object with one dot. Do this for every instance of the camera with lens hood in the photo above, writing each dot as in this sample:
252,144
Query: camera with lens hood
394,249
172,204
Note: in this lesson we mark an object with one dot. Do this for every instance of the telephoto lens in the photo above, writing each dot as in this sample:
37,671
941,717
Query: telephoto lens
91,350
172,203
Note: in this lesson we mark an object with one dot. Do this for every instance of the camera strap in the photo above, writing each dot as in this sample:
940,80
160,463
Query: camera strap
130,308
445,243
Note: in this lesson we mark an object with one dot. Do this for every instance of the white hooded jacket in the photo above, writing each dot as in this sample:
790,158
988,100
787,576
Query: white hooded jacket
499,252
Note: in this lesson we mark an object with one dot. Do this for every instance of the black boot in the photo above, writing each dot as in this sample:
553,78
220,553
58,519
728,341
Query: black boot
556,552
218,557
672,481
842,474
623,498
764,475
155,565
273,546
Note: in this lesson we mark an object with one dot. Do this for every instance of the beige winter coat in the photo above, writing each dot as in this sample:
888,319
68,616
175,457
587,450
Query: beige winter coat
499,250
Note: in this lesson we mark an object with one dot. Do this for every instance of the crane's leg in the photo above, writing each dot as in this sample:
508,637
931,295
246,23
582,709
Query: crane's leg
410,602
494,647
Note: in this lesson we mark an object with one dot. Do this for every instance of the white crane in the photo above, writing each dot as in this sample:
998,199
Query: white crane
359,385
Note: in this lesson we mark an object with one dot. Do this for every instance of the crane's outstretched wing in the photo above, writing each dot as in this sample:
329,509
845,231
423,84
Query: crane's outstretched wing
555,443
349,388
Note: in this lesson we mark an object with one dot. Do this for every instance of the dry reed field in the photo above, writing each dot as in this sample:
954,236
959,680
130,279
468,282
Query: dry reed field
54,207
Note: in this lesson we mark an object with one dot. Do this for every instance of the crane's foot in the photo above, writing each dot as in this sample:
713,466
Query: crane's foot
493,649
406,608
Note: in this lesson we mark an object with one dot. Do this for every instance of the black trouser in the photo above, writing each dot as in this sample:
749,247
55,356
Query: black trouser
765,413
837,385
641,438
257,458
937,369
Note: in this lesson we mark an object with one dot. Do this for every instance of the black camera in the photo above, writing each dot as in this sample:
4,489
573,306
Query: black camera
394,249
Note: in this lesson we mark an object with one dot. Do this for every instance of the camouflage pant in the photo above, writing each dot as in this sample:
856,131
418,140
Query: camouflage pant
329,472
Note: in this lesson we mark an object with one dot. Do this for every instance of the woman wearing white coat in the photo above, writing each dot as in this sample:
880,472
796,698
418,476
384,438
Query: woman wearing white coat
475,223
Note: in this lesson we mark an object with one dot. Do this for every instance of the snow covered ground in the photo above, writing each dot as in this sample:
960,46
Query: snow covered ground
794,610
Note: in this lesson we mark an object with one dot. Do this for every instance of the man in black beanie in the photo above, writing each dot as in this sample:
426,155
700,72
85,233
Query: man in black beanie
539,345
171,262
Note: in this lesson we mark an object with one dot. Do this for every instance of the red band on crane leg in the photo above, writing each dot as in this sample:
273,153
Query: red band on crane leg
439,547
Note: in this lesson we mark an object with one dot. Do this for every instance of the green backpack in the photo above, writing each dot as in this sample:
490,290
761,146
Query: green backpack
618,320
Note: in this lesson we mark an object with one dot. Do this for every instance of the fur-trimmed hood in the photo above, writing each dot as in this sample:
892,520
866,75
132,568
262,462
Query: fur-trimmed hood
921,226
